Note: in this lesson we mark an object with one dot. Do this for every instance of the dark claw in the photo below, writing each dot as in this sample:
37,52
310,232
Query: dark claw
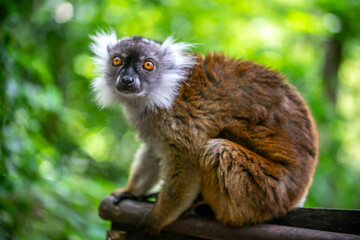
122,196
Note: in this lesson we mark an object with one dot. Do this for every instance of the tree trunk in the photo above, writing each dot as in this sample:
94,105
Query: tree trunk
333,59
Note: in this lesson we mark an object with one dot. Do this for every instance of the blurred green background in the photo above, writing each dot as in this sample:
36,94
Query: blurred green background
60,154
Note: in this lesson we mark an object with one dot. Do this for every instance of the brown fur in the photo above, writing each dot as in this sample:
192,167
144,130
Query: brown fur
236,133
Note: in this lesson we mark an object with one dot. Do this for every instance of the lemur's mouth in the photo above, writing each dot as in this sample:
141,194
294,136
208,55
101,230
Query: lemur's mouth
128,87
127,90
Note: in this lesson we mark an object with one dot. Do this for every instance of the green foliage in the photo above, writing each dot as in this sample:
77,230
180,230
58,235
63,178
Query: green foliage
60,154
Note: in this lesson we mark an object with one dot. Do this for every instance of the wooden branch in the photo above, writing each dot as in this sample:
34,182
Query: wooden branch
333,220
298,224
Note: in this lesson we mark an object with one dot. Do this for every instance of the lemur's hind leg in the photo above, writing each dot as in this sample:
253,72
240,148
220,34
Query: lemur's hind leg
240,186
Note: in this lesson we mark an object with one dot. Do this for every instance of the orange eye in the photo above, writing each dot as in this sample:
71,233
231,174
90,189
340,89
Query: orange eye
117,61
148,65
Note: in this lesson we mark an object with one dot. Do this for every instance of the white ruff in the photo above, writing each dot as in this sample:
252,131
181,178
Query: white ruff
105,96
176,62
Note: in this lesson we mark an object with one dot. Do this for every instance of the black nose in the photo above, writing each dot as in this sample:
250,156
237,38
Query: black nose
128,80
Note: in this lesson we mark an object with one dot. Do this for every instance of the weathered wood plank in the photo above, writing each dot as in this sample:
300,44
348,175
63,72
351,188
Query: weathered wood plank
333,220
128,214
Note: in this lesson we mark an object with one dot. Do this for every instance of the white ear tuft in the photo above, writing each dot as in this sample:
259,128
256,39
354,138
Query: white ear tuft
178,52
101,42
176,61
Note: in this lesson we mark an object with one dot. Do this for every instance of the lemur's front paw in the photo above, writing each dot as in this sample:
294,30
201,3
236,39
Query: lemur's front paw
120,195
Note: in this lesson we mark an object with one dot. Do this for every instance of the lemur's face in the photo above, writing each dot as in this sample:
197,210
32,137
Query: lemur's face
134,65
140,71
